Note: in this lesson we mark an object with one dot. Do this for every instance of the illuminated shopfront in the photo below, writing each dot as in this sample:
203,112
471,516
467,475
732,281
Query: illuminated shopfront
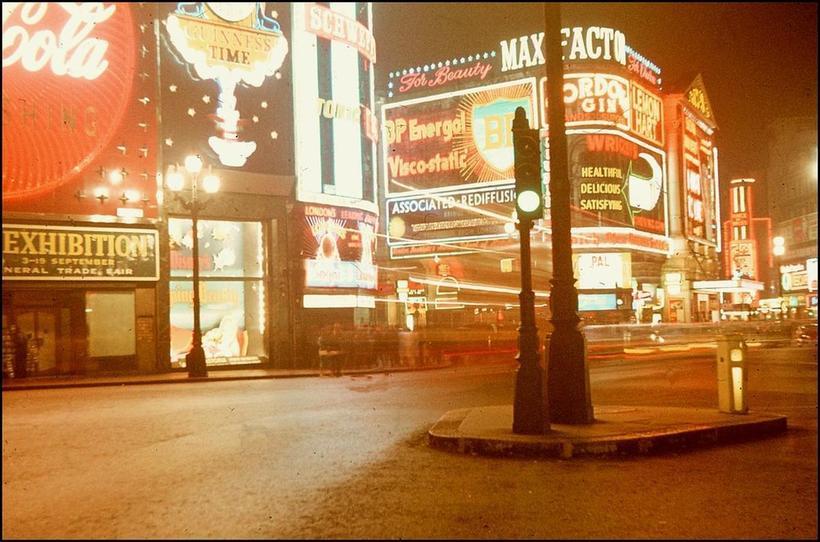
232,263
80,242
231,107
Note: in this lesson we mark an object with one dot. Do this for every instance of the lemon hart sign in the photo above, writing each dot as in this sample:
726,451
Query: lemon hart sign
78,253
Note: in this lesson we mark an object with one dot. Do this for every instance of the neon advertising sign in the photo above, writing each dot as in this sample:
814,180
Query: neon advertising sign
73,105
453,139
592,99
60,90
647,114
617,180
340,245
443,76
699,176
74,53
579,43
332,25
232,44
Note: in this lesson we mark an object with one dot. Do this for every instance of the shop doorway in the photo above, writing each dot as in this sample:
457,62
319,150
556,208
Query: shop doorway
47,321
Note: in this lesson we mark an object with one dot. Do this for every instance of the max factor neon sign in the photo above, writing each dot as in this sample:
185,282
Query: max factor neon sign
200,31
71,52
590,43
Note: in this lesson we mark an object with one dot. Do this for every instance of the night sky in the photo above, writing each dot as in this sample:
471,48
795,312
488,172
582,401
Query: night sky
758,60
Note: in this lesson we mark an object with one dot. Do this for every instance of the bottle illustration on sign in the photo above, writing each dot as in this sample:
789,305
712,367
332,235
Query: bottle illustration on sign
644,192
198,30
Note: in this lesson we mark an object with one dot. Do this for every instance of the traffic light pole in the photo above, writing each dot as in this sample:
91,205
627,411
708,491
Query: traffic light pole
567,371
530,415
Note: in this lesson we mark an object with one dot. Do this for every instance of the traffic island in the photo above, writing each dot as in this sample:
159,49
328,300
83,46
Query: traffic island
617,431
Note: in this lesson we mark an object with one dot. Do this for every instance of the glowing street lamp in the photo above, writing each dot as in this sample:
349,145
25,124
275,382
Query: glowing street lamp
175,181
779,246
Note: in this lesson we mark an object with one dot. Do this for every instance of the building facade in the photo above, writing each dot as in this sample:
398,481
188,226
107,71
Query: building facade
448,183
792,195
274,101
694,198
81,230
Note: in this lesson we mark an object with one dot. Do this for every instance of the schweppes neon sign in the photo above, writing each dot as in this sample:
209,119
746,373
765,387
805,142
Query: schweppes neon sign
329,24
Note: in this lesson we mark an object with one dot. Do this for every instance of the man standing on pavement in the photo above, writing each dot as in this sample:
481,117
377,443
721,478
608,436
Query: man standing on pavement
330,348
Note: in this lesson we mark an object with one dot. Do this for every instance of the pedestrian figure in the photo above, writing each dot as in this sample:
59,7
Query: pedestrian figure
8,350
330,349
33,355
20,353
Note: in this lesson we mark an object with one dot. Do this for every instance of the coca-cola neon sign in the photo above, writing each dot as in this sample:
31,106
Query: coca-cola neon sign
68,71
72,52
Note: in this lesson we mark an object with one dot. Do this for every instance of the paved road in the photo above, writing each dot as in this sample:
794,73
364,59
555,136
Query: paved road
332,458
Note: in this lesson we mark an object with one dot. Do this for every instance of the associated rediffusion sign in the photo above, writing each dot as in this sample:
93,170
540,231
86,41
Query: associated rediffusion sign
78,253
478,213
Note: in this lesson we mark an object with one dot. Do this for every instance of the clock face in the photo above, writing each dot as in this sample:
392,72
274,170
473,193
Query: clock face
232,11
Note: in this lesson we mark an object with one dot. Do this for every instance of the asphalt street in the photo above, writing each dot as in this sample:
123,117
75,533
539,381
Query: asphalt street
347,457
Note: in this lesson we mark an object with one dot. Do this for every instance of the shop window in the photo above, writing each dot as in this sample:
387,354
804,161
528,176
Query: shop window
232,296
110,319
226,249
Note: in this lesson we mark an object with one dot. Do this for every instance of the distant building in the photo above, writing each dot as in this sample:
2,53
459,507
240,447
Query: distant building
792,195
694,206
748,253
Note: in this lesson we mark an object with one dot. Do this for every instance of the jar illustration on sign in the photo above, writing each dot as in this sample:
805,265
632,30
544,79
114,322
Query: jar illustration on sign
644,192
199,30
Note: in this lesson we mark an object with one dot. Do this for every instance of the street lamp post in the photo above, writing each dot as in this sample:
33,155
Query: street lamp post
778,249
568,389
195,359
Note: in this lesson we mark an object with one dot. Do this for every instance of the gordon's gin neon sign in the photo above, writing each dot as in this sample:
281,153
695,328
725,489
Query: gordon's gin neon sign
72,51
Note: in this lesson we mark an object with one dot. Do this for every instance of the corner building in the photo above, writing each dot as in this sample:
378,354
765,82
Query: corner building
448,181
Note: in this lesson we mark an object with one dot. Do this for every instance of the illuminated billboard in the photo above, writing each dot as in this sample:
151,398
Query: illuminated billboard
602,270
335,128
699,175
616,180
742,258
443,217
79,124
592,99
339,245
434,149
453,139
226,85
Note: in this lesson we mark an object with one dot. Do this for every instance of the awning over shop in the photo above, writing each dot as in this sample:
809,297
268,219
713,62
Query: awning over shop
727,286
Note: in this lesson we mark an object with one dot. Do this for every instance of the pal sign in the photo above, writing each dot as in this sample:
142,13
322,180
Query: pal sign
602,271
811,270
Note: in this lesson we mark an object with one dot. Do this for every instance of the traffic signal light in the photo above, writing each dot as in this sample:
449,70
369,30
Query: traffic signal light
529,196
